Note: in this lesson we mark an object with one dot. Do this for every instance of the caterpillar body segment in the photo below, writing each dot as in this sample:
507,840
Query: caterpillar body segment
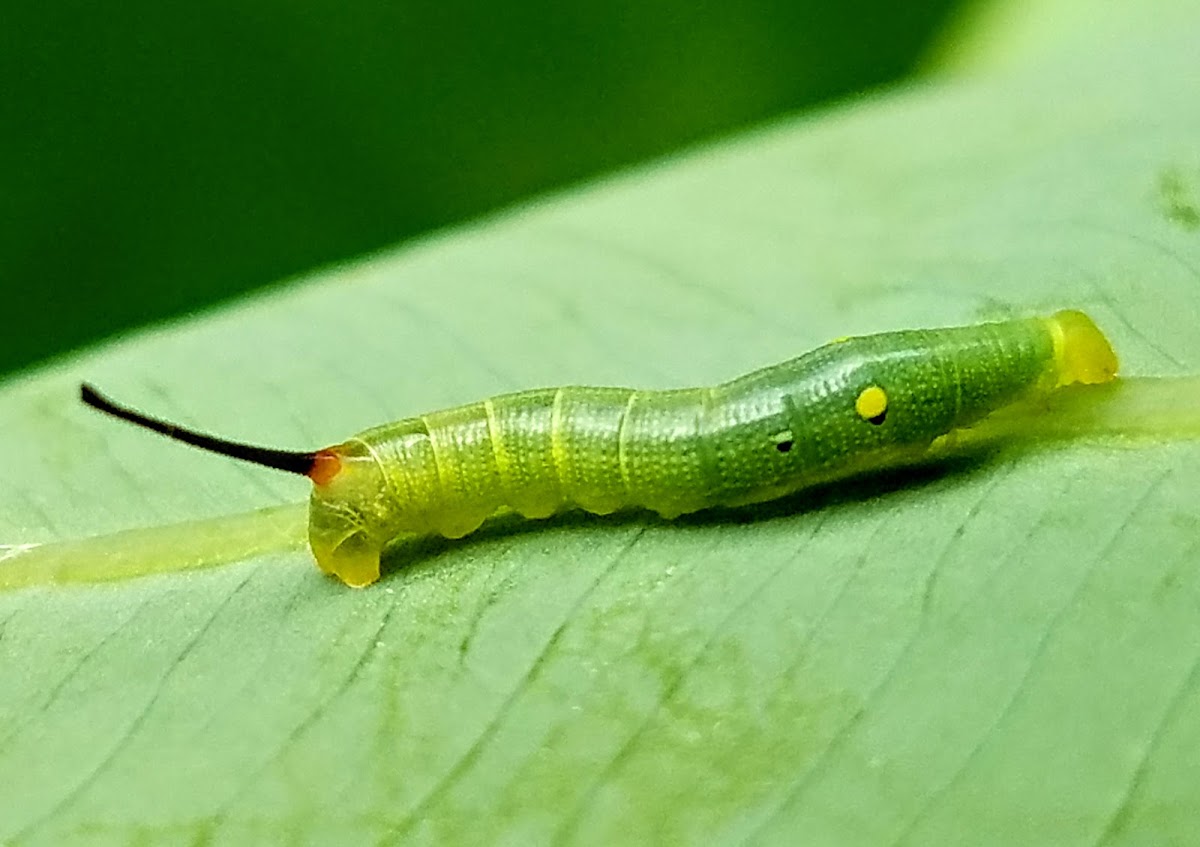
852,406
845,408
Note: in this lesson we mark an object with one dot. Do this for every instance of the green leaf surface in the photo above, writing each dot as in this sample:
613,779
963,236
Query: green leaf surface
990,35
1006,652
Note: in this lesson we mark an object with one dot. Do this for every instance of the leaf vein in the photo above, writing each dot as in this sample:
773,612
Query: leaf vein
417,813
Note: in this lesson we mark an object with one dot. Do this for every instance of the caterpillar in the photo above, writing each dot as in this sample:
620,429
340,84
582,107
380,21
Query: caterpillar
849,407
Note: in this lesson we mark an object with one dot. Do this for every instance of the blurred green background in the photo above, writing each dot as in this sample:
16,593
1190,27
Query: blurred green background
155,158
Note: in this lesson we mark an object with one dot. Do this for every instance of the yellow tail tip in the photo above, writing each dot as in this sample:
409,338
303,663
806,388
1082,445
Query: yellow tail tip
1081,352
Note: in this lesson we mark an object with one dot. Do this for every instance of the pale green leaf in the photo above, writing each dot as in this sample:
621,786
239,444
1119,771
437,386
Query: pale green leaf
1000,653
991,35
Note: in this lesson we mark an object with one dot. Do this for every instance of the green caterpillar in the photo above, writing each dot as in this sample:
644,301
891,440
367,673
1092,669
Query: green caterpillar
851,406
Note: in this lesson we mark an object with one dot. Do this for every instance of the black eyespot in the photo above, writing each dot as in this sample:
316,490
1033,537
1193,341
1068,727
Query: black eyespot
783,446
878,419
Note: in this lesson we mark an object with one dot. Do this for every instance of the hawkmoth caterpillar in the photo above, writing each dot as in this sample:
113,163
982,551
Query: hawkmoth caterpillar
848,407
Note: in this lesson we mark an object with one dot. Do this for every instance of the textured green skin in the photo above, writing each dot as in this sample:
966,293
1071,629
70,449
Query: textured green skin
678,451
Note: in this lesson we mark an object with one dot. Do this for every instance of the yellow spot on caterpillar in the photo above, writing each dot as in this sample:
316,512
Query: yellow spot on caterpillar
1081,352
871,404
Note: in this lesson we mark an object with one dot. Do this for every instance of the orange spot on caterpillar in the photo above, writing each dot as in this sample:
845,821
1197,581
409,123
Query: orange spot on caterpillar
326,465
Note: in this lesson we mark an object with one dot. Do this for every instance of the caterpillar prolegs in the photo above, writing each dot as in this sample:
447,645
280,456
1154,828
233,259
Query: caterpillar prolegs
849,407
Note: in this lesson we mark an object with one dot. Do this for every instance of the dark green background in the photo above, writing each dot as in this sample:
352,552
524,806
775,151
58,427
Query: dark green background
158,157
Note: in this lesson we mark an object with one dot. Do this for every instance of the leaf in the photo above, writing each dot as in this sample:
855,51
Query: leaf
1006,652
1008,34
